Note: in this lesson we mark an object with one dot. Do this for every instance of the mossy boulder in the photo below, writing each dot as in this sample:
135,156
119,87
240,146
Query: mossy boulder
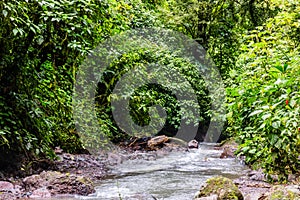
223,187
282,193
59,183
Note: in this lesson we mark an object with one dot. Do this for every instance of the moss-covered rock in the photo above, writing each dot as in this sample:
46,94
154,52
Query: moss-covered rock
282,193
223,187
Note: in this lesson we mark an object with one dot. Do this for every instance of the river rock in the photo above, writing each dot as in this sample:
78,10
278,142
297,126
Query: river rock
223,187
9,191
193,144
157,141
293,188
7,195
6,186
228,152
280,192
41,193
212,197
58,183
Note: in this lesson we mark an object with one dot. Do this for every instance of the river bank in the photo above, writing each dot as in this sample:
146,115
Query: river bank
73,175
253,184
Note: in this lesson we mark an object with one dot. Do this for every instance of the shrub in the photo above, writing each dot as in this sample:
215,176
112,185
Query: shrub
264,103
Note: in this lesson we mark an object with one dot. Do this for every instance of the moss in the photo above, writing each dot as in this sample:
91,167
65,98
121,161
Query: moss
223,187
84,180
281,193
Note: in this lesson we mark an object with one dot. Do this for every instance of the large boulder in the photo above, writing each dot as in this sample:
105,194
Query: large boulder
52,182
157,141
6,186
219,188
8,190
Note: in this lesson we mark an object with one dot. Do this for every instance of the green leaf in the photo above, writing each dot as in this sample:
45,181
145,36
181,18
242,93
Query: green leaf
278,144
252,151
266,116
279,68
276,124
274,139
15,31
256,112
4,12
285,67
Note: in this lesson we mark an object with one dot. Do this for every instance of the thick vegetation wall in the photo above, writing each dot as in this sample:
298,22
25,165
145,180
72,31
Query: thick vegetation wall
264,98
254,44
42,44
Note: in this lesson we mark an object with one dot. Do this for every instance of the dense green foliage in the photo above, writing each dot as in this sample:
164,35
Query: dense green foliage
42,44
254,44
151,94
217,25
264,99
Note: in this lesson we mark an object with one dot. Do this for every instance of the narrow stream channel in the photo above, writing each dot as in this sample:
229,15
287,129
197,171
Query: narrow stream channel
176,176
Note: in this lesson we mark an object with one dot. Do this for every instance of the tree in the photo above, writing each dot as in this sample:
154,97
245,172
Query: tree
217,25
42,45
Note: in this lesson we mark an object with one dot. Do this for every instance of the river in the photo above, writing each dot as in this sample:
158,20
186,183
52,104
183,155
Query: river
176,176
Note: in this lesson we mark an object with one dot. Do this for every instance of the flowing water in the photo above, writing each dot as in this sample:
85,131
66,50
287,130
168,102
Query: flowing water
176,176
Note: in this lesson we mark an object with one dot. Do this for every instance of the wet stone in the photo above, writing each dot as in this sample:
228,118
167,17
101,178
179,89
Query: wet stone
40,193
193,144
6,186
